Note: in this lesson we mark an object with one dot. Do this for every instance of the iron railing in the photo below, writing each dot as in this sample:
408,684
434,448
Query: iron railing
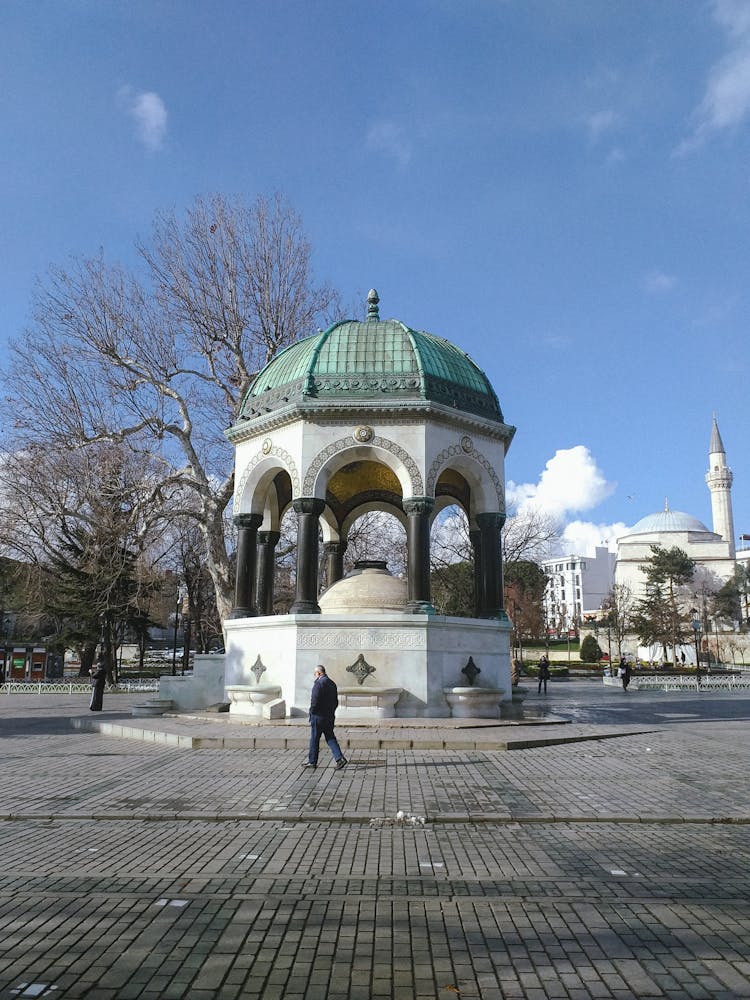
77,687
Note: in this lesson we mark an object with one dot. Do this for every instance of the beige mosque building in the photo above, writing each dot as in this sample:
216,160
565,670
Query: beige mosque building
578,585
713,550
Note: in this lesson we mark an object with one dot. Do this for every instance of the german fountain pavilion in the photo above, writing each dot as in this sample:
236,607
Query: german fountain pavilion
367,415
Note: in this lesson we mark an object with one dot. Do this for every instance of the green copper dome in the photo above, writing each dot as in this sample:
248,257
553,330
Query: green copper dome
373,360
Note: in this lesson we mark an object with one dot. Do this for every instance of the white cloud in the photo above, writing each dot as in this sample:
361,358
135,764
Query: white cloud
600,122
659,281
557,341
149,113
390,140
726,102
571,482
616,155
583,537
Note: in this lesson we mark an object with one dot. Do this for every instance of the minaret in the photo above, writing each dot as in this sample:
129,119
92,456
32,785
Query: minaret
719,481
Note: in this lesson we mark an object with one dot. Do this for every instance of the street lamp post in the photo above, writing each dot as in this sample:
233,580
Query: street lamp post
186,630
716,634
178,603
696,623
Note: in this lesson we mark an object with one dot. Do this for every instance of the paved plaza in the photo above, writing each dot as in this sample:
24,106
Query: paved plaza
603,851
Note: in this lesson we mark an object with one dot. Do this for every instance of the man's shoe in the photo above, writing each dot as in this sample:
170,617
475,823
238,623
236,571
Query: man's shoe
308,764
341,762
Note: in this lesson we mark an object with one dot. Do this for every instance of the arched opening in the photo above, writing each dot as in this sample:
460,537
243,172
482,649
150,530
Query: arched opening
359,483
286,563
364,518
376,535
452,563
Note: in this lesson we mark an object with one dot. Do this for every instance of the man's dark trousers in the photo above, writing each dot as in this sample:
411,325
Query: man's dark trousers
321,725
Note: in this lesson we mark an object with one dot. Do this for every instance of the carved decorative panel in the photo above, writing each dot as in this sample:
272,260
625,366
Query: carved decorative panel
364,638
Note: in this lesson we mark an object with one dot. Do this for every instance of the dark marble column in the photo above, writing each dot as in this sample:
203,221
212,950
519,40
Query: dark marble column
308,510
475,537
418,510
334,553
490,566
267,542
247,525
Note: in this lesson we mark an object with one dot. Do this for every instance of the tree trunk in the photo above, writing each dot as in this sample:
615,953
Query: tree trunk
217,563
87,654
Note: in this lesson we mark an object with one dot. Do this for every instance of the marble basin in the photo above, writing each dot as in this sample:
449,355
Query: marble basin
248,699
474,702
367,702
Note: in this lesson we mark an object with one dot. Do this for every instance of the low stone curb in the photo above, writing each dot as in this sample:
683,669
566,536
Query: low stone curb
442,819
299,742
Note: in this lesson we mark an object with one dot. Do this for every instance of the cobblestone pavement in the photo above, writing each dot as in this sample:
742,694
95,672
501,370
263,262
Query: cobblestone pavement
614,867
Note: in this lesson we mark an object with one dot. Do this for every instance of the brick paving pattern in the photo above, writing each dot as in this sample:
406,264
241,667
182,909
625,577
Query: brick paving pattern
611,868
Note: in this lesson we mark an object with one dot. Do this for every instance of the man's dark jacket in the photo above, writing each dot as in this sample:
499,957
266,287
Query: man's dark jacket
324,699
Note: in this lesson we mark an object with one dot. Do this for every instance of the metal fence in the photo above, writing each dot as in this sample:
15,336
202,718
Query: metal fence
708,682
77,687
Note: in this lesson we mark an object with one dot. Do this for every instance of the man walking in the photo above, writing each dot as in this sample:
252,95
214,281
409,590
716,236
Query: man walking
324,701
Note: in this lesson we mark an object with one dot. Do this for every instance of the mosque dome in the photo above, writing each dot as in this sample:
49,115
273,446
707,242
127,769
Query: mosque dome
665,521
368,362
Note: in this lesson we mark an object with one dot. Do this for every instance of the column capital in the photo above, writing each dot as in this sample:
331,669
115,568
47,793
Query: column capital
308,505
248,520
269,537
490,519
418,505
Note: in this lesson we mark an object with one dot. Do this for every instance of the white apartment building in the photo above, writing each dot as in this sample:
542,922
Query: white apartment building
576,584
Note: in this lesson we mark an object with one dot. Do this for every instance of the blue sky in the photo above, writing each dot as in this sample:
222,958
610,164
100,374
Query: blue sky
560,189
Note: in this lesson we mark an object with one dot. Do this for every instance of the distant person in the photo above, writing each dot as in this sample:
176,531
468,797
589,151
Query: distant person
624,672
543,674
324,701
99,677
682,657
515,673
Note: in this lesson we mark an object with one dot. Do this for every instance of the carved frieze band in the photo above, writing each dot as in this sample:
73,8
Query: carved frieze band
364,638
378,442
283,457
466,447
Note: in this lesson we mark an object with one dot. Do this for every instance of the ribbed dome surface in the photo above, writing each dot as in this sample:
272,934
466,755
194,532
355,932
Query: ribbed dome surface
371,360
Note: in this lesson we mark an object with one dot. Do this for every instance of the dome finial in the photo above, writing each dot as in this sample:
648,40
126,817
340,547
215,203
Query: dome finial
372,304
666,505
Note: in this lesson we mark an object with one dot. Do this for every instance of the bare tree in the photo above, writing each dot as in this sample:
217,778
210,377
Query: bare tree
529,535
82,522
618,607
526,538
377,535
162,359
186,556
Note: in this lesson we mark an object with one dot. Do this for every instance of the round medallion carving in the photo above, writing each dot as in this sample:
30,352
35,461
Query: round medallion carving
467,444
266,446
363,434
